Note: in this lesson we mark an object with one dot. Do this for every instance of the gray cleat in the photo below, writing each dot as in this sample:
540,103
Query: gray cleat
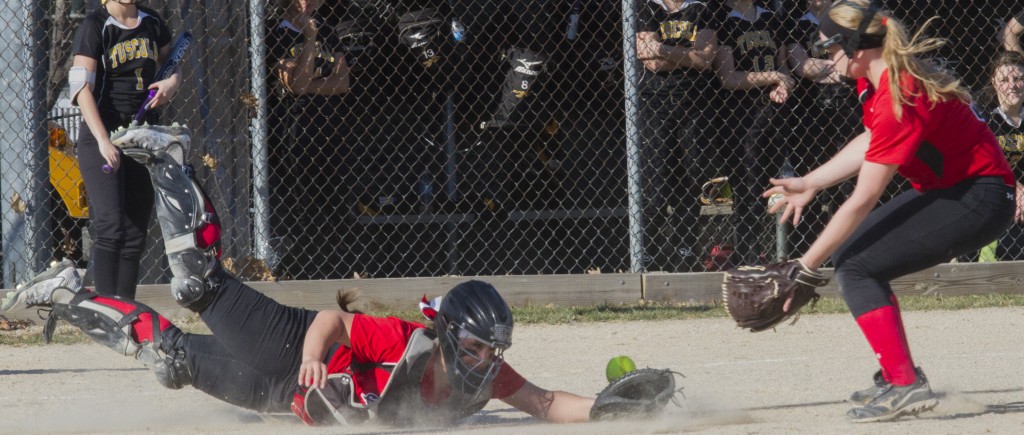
146,142
58,284
896,401
865,396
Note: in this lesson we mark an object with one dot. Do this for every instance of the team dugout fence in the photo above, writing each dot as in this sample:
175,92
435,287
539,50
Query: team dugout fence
478,137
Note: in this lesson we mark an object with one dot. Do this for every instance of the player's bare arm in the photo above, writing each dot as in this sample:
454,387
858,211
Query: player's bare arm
661,57
871,183
725,69
297,74
804,66
798,192
552,406
1010,35
328,329
86,102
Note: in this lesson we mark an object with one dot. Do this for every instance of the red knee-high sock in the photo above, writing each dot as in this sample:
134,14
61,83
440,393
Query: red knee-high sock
142,328
883,329
903,334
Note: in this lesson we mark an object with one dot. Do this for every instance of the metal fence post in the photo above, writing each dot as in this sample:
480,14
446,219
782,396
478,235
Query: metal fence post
636,217
258,126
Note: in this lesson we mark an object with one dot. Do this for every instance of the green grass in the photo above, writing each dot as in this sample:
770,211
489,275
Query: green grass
552,315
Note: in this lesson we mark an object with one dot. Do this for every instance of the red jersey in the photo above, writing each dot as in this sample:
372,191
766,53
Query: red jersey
377,345
934,147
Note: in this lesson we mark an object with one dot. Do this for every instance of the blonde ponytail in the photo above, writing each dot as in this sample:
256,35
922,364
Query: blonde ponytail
901,54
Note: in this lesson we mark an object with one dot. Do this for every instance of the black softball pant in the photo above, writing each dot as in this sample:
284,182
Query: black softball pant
252,359
120,205
915,231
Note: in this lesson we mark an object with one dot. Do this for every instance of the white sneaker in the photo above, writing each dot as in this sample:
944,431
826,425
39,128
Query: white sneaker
142,142
58,284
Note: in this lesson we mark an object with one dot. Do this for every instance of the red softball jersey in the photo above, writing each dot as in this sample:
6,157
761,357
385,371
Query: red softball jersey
377,345
935,145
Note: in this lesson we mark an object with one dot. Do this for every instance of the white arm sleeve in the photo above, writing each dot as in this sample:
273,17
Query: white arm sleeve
78,78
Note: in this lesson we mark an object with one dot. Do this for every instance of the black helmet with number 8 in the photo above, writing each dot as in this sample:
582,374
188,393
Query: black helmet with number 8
473,311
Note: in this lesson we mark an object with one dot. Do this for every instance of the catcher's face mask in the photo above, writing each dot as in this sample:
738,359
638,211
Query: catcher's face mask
471,362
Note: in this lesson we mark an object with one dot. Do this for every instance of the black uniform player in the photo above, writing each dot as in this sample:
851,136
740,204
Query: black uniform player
751,62
308,73
675,46
1005,111
118,49
824,117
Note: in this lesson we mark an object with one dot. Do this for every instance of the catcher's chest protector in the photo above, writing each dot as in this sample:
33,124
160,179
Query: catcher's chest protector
400,402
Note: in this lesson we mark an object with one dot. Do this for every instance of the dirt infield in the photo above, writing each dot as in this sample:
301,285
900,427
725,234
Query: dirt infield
790,381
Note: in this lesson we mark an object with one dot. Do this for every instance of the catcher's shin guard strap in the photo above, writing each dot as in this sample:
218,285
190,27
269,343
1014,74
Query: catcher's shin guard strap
106,324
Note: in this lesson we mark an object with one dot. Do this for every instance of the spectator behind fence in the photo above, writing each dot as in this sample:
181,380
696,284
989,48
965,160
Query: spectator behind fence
116,53
307,158
1010,36
1001,102
675,45
751,62
825,116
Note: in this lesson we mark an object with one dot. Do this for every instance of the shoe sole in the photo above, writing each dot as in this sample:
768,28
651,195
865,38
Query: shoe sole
917,408
13,298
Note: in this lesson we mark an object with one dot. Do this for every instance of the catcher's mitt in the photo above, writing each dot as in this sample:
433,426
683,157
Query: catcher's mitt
754,295
636,394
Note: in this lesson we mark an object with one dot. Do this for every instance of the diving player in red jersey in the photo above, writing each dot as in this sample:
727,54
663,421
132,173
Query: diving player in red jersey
918,123
328,367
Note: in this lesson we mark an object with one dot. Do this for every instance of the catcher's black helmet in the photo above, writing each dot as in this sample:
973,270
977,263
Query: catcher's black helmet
472,311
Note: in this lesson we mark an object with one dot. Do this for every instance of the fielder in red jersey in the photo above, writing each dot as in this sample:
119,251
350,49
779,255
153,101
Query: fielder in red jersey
919,123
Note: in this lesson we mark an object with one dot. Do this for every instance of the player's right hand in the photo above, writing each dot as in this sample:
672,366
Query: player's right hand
111,154
796,195
313,373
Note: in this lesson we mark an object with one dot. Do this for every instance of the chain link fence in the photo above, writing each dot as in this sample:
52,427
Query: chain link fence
399,138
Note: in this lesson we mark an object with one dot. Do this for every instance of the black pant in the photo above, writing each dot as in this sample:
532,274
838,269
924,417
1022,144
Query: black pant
672,167
915,231
120,205
252,359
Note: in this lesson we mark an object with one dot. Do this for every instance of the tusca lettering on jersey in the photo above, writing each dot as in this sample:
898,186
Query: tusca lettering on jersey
678,30
131,49
1013,146
754,40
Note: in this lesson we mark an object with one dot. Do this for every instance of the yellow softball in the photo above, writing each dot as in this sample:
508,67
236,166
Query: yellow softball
619,366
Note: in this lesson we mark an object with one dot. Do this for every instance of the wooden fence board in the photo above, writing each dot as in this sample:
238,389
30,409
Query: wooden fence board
584,290
405,293
950,279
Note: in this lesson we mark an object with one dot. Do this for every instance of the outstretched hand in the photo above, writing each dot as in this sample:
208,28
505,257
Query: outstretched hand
796,194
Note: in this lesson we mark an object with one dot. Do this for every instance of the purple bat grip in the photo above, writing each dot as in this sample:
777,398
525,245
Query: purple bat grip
145,107
107,169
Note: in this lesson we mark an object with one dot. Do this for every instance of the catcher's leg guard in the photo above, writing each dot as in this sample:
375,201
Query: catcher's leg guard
420,30
525,68
190,227
129,328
